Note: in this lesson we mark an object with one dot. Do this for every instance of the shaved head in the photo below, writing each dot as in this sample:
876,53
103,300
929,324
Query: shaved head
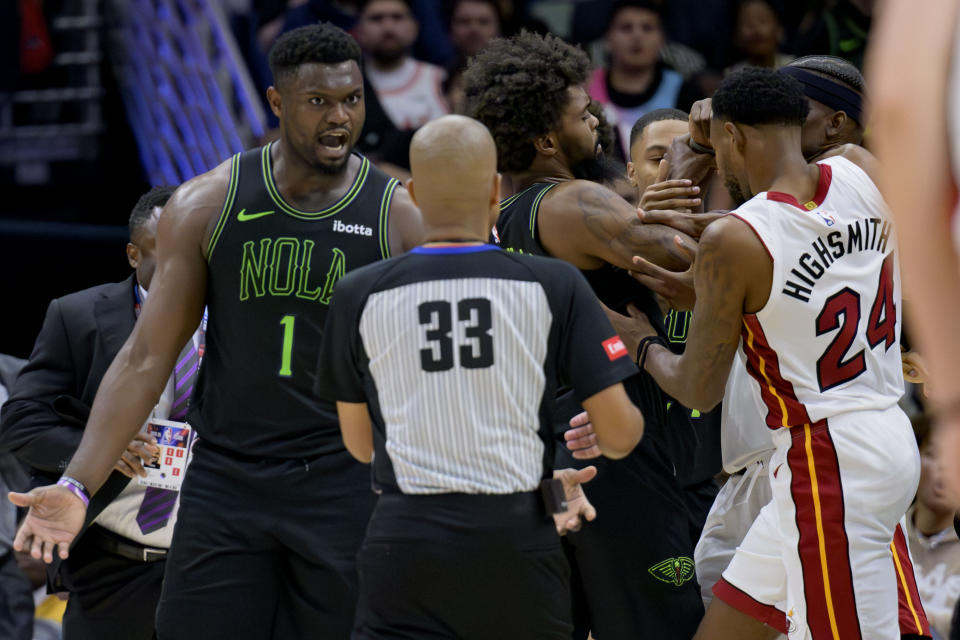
453,161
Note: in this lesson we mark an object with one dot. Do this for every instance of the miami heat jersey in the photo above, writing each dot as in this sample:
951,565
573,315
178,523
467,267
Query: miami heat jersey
827,340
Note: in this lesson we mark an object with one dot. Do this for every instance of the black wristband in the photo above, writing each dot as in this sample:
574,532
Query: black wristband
696,147
643,347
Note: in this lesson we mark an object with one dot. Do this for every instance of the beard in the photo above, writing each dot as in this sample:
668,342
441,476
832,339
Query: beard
389,53
331,169
596,168
733,188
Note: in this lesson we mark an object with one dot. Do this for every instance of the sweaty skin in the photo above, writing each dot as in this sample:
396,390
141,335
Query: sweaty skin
584,223
317,99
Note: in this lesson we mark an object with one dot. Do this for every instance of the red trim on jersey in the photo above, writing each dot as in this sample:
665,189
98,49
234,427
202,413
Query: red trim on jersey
823,546
752,228
745,603
912,617
823,186
783,408
418,68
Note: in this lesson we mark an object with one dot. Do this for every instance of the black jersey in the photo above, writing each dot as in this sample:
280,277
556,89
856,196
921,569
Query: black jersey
666,422
517,230
272,271
459,350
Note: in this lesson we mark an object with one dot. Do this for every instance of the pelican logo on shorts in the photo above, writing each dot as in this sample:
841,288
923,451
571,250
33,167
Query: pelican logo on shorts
675,571
355,229
614,348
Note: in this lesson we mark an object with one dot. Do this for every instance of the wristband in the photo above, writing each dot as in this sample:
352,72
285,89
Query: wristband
76,488
643,347
696,147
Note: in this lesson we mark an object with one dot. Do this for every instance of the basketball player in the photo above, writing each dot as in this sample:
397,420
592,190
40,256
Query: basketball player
273,504
453,353
630,580
920,150
834,90
813,288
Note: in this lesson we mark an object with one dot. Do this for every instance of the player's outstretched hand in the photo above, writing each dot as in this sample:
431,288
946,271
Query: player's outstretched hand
670,195
676,287
578,507
581,439
691,224
55,518
142,447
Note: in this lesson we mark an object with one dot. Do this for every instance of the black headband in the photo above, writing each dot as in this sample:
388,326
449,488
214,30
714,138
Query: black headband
835,96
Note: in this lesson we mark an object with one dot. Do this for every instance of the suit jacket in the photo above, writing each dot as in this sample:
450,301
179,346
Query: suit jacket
43,420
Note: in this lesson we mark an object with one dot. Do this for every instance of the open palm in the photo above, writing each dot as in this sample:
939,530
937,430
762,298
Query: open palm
54,519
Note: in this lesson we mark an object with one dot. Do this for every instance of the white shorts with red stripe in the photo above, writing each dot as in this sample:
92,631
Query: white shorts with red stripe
827,547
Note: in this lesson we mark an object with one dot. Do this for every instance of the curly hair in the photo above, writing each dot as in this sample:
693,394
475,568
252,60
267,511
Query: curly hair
143,210
835,68
755,95
517,87
322,43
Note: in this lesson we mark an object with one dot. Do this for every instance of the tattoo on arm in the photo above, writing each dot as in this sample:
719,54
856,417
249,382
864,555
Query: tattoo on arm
627,237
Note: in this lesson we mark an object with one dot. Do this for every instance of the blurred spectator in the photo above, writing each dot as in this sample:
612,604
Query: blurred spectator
409,90
757,34
840,29
934,544
473,23
636,80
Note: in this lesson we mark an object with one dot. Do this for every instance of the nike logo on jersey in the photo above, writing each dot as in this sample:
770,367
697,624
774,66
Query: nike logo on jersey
355,229
243,216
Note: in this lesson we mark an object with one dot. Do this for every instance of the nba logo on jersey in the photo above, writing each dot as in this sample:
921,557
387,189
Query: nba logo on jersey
614,347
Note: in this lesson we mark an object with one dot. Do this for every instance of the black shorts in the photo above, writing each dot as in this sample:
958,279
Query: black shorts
265,549
463,566
633,572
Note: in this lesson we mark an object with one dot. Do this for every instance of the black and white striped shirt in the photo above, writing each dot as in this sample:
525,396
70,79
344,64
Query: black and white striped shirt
459,350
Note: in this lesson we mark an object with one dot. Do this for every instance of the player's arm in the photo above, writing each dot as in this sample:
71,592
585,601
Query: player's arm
405,226
138,375
731,269
357,429
617,422
590,225
911,144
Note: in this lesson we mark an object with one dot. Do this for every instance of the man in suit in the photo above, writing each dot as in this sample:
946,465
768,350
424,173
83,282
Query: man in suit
115,570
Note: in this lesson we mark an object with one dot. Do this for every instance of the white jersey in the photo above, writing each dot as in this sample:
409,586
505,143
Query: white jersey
827,340
744,438
412,94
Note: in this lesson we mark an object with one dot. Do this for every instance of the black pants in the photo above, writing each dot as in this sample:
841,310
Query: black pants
463,567
265,549
110,596
633,573
16,600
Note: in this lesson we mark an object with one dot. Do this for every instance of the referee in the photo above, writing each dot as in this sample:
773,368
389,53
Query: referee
444,362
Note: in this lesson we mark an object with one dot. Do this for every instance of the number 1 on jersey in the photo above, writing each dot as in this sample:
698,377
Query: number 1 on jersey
287,352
